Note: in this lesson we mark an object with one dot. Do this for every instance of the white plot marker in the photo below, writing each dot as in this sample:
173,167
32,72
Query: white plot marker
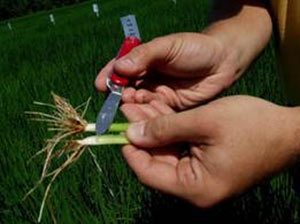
9,26
96,9
52,19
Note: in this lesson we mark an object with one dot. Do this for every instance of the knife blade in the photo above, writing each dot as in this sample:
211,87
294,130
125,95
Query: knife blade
115,82
107,113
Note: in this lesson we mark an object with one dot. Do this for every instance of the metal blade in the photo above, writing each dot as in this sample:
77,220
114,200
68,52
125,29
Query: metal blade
107,113
130,26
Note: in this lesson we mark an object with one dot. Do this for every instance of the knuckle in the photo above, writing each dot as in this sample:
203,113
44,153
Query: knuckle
159,40
166,45
160,127
143,179
209,118
139,52
168,40
96,81
207,194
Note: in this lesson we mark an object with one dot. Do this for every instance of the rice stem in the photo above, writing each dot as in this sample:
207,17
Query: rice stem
115,127
104,140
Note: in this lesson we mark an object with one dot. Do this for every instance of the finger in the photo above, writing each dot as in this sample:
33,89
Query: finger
156,174
128,95
145,96
162,107
209,87
139,112
149,110
168,155
167,95
161,93
164,89
185,172
133,113
137,62
100,81
189,126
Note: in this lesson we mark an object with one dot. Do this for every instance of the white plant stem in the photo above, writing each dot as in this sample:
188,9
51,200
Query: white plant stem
90,128
104,140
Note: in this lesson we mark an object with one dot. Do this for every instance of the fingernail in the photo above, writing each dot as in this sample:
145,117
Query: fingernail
136,131
126,62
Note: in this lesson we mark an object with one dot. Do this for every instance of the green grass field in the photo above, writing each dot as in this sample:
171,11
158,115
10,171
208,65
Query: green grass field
37,58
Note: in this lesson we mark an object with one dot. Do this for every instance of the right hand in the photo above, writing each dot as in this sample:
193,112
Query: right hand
182,70
233,143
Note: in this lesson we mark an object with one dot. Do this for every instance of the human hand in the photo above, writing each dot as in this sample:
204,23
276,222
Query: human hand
232,143
182,70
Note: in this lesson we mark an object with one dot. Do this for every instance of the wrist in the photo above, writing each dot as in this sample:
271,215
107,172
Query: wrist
244,34
229,56
294,132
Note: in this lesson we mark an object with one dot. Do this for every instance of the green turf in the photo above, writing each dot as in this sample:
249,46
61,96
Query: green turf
37,58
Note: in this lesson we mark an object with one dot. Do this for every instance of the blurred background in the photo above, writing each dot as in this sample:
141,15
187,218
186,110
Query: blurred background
59,46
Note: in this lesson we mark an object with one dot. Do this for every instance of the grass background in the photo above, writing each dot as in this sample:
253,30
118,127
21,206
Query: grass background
37,58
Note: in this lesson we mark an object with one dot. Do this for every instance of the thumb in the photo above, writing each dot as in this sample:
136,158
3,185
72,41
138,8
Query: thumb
137,61
190,126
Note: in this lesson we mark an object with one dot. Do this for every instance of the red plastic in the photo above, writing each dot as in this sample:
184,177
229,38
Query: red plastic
127,46
119,80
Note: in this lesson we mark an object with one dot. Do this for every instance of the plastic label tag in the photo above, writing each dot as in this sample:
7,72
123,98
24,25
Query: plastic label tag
130,26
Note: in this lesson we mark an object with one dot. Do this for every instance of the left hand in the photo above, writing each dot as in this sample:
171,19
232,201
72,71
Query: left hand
183,70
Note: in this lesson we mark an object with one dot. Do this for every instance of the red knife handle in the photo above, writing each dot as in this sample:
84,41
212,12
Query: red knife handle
127,46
